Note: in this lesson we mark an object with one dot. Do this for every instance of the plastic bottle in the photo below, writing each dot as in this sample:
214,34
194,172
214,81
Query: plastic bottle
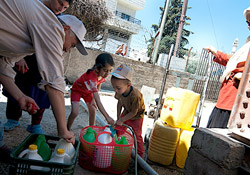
31,153
123,141
103,154
90,135
43,148
67,147
121,155
60,157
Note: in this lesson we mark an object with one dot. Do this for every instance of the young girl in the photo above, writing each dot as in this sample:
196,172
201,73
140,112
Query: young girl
87,87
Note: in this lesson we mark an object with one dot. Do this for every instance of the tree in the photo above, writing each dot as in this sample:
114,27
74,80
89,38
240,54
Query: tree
171,29
93,14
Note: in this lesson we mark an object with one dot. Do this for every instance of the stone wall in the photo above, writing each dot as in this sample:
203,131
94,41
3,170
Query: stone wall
143,73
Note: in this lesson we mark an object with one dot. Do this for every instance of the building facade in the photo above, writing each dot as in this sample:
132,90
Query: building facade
121,26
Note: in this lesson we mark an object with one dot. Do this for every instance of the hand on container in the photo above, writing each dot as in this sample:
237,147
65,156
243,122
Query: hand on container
119,122
212,50
22,66
28,104
68,136
110,121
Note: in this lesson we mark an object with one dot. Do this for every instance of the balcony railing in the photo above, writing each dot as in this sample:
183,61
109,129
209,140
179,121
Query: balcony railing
127,17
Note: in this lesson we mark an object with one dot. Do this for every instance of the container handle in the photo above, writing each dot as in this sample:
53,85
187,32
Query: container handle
23,153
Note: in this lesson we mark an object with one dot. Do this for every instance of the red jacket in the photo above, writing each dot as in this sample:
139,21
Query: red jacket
228,89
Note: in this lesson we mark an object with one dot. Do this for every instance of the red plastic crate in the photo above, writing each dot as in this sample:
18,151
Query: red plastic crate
111,158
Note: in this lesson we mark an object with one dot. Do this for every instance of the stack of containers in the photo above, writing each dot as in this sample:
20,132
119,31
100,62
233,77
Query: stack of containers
172,132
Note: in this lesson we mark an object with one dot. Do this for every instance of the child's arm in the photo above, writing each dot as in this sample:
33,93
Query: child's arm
99,87
128,116
119,109
101,108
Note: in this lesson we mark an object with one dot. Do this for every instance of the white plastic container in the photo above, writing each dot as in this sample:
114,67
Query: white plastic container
103,154
68,148
60,157
31,153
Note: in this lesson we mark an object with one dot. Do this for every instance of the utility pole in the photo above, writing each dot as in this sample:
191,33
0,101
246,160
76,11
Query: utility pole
163,20
182,20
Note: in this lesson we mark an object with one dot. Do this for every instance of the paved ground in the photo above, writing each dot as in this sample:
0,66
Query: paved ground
14,138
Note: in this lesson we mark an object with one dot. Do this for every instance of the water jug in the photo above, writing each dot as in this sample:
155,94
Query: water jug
163,142
179,107
122,141
90,135
183,147
31,153
43,148
60,157
121,156
103,154
68,148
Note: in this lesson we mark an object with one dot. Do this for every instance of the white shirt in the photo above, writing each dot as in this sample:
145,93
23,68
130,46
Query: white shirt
27,27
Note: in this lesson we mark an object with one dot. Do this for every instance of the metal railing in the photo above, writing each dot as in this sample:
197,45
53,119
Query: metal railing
214,84
127,17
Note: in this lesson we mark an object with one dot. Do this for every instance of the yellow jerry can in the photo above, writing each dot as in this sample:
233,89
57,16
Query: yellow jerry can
183,146
179,107
163,142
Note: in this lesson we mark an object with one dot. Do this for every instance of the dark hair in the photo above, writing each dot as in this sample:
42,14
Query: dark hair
101,61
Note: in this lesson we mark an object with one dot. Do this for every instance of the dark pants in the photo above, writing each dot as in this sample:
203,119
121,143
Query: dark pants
27,83
14,112
218,118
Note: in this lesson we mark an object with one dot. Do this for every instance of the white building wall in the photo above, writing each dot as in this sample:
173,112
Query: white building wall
134,4
126,10
111,5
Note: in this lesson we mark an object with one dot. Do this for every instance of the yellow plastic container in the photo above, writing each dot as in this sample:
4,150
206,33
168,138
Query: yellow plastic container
163,142
183,147
179,107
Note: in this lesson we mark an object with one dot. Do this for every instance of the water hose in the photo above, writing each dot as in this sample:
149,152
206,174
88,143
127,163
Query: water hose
135,146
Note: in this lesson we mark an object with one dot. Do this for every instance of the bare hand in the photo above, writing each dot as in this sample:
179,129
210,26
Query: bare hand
22,66
119,122
28,104
68,136
110,121
212,50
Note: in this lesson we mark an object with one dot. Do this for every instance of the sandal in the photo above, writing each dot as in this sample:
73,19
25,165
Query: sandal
11,124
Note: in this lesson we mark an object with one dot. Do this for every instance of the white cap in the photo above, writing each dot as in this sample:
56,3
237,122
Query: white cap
247,13
78,28
123,72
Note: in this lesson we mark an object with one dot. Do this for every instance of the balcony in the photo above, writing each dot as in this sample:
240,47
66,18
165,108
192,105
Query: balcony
133,4
127,17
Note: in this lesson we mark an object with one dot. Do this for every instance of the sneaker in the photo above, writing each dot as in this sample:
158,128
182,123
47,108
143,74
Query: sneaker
36,129
11,124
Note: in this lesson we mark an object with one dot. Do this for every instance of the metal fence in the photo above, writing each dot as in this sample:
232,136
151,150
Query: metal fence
214,84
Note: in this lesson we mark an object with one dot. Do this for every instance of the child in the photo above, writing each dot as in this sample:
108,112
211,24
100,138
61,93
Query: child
87,87
132,102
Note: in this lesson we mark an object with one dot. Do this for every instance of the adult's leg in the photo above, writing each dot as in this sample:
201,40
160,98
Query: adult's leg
13,114
35,126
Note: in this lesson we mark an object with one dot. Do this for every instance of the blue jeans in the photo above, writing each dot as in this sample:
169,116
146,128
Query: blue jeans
1,134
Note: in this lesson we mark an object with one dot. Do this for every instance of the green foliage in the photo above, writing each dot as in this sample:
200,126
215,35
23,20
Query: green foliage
170,30
193,62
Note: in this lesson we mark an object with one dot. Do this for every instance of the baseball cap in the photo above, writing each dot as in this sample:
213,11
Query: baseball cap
78,28
123,72
247,13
